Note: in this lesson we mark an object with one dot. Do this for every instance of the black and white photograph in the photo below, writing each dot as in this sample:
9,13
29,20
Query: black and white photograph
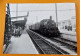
40,28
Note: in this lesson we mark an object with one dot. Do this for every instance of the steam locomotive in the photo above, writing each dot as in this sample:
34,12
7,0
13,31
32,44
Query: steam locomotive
46,27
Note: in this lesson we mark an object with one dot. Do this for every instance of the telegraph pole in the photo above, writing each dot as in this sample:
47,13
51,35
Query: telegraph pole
56,15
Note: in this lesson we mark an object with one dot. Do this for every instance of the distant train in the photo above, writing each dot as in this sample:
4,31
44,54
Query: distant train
46,27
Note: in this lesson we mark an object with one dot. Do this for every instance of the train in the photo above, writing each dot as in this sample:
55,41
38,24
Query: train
46,27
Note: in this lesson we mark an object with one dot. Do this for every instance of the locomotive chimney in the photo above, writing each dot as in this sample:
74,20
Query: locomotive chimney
50,17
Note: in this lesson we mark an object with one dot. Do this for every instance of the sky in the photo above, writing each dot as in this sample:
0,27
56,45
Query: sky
39,11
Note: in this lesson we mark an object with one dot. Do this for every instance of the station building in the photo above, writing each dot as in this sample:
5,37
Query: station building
69,24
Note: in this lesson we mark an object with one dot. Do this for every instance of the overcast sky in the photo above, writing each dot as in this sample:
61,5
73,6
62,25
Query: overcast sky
39,11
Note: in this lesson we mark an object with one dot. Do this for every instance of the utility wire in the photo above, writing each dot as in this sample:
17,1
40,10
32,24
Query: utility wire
43,10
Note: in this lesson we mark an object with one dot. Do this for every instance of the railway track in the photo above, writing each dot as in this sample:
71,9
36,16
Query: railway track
44,46
68,44
71,46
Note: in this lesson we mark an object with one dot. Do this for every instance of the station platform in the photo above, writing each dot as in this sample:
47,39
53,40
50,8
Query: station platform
21,45
69,35
67,32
